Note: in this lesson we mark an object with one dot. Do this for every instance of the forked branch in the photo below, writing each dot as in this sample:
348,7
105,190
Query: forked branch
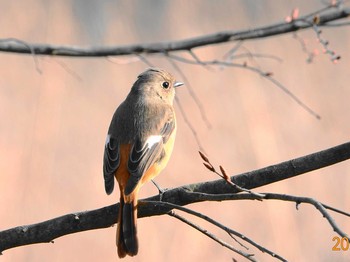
47,231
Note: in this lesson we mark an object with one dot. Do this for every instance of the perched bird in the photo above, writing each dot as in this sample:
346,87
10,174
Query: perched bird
138,146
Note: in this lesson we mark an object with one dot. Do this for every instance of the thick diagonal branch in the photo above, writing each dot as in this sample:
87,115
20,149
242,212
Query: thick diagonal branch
47,231
327,15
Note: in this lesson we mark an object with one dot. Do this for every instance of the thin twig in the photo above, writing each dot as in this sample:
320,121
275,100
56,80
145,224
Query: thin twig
318,205
198,60
219,225
224,176
192,93
310,54
336,210
145,60
257,55
230,54
265,75
212,236
189,124
122,61
27,45
325,43
68,69
274,196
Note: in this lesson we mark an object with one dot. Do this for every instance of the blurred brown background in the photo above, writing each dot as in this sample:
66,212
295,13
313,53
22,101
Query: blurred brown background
53,126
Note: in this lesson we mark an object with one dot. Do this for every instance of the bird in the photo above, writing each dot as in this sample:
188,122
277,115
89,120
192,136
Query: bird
138,146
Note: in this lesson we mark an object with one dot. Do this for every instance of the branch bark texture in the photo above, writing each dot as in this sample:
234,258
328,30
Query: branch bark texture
47,231
324,16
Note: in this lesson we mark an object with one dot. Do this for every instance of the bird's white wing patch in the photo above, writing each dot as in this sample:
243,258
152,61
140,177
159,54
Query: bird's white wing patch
108,138
152,140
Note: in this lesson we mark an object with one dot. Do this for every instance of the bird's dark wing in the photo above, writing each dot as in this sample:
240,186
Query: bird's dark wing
111,160
167,130
144,155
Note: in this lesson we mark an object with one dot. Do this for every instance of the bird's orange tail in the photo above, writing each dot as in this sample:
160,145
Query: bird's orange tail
127,242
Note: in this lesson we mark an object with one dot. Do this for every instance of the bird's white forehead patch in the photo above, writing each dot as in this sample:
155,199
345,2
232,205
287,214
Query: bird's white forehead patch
152,140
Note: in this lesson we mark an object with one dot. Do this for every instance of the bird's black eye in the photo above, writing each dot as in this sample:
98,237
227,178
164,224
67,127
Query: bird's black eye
165,85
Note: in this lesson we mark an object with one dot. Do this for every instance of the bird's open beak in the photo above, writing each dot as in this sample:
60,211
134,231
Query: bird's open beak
177,84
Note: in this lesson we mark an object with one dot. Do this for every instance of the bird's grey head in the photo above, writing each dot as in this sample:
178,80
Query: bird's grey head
156,84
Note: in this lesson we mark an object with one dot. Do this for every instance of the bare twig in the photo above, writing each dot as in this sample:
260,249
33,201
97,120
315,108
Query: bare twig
318,205
314,23
304,47
224,176
145,60
336,210
265,75
250,55
219,225
192,93
256,55
230,54
274,196
122,61
334,57
31,49
212,236
198,60
326,15
189,124
218,190
68,69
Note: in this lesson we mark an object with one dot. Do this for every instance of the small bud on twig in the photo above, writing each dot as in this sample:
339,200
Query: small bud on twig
209,166
204,157
223,172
